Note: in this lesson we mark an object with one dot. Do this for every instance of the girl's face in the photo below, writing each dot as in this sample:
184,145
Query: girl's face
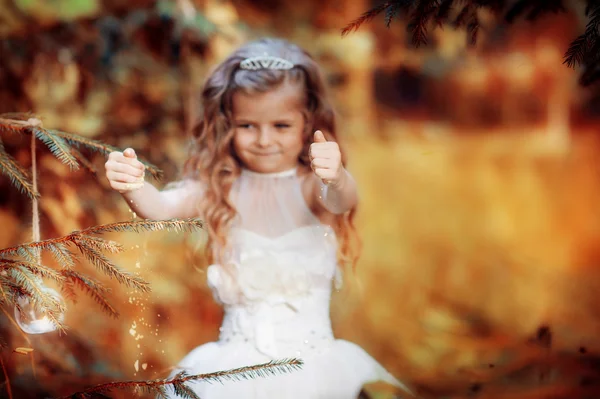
269,128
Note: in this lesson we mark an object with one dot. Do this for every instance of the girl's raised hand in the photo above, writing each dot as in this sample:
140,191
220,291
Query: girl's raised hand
326,159
124,172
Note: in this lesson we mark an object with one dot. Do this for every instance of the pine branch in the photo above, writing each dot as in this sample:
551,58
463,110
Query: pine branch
17,122
62,255
546,7
9,290
83,161
178,382
443,13
33,267
91,287
177,225
68,290
137,226
29,286
581,51
421,17
473,28
57,146
64,146
462,16
367,16
17,175
577,51
391,12
89,249
102,148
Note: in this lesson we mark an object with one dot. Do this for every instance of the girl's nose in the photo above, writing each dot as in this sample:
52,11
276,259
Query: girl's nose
265,137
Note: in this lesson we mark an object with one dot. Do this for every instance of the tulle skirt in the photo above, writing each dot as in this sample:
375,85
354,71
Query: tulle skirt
337,370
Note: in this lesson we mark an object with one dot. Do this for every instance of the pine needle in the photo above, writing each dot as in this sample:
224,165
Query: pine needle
91,247
17,175
107,267
40,299
91,287
178,382
62,255
366,17
57,146
33,267
137,226
577,50
64,146
102,148
443,12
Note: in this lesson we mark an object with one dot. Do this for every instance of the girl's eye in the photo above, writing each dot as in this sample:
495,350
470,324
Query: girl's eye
282,125
244,126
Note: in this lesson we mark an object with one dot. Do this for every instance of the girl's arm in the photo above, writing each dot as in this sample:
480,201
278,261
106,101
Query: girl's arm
177,203
126,175
337,197
333,188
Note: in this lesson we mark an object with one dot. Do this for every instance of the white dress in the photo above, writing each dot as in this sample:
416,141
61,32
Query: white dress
275,284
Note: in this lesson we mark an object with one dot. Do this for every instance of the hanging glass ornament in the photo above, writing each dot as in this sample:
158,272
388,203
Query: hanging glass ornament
34,320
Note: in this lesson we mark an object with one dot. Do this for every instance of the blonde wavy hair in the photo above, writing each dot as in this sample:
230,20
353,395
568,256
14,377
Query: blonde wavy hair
212,158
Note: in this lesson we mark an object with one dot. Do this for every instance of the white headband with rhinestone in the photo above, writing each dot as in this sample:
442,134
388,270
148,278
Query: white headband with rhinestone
265,62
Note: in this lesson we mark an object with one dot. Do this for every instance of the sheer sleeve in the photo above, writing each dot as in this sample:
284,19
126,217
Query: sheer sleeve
184,196
331,199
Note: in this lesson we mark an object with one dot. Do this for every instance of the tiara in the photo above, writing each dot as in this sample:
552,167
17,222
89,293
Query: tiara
265,62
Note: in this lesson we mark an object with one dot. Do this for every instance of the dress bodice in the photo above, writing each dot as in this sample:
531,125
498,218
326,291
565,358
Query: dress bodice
280,260
277,247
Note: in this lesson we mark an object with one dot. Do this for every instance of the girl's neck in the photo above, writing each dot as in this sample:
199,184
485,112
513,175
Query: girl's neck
285,173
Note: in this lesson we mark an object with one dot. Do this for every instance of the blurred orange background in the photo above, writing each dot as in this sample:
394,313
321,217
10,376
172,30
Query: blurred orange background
477,169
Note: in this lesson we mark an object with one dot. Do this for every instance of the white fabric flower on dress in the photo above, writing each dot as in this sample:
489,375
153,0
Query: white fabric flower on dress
260,276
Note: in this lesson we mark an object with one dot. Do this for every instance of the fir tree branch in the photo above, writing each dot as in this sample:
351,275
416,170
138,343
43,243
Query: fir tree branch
39,298
443,12
420,20
64,146
62,255
137,226
367,16
17,175
68,289
17,122
57,146
581,51
391,12
83,161
91,287
462,16
103,264
178,382
33,267
102,148
177,225
577,50
91,247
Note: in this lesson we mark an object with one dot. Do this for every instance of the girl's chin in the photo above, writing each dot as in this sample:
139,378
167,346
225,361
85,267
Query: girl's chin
269,168
269,164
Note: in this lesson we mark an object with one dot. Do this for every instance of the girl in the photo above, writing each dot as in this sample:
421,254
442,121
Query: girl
268,178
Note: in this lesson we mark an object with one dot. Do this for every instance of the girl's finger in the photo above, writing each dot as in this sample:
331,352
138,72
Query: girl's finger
320,163
119,157
122,177
325,174
125,168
